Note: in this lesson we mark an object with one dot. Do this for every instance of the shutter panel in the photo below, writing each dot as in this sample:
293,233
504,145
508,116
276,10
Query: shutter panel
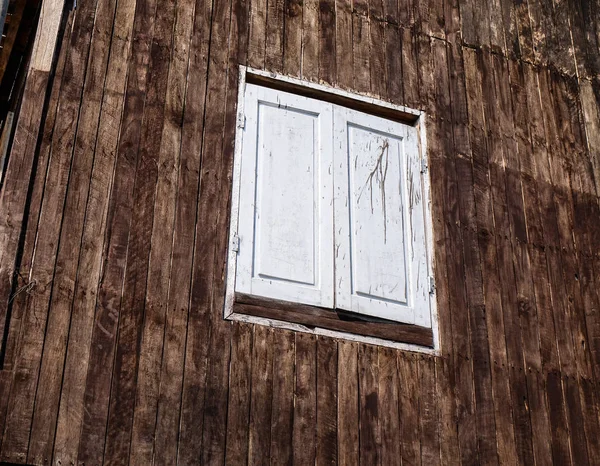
286,206
381,262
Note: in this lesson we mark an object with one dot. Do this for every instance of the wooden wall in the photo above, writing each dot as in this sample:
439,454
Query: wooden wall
117,353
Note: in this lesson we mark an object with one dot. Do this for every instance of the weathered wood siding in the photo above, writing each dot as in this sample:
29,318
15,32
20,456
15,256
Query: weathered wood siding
117,352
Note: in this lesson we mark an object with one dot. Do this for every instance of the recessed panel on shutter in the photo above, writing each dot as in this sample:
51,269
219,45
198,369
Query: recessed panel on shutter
381,263
286,211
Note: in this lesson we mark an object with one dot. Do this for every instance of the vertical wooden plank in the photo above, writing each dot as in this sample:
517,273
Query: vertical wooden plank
5,379
71,409
579,442
30,342
131,318
390,11
591,121
406,13
501,215
408,377
156,305
524,30
497,37
171,378
219,137
511,34
477,171
389,415
546,139
591,419
58,326
17,175
486,425
99,374
561,453
9,345
445,190
410,86
259,435
327,391
304,431
257,33
543,133
348,419
344,42
526,302
370,433
428,413
327,41
281,451
238,407
360,47
274,36
310,39
393,60
560,49
377,48
435,90
202,409
292,47
215,407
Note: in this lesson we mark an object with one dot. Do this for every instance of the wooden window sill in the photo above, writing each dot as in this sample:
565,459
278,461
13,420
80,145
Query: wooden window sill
313,316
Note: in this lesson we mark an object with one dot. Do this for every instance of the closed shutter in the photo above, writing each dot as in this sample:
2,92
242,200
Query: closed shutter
286,206
380,256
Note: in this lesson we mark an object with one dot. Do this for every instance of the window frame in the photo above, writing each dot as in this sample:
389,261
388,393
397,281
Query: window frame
313,319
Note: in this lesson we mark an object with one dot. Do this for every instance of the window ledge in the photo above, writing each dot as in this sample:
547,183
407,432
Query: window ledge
330,319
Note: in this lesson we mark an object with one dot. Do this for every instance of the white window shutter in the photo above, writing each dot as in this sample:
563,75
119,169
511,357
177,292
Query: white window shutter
380,255
286,199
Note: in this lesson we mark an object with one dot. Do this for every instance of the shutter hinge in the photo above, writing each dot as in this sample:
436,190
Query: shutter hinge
235,243
431,285
241,121
424,166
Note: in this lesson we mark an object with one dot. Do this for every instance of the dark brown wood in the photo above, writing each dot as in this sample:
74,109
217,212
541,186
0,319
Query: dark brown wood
389,416
117,202
281,450
313,316
43,428
343,30
428,414
327,375
408,378
292,46
305,400
136,302
274,35
30,342
105,334
310,39
361,55
71,410
259,435
239,395
192,122
156,306
368,405
348,419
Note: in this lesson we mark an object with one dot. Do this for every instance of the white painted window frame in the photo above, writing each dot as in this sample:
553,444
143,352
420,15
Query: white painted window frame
419,124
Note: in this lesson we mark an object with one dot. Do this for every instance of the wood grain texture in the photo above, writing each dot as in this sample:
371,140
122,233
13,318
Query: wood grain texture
117,203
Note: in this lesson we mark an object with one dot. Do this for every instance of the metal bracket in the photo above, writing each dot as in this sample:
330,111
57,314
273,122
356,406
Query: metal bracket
235,243
241,123
431,285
